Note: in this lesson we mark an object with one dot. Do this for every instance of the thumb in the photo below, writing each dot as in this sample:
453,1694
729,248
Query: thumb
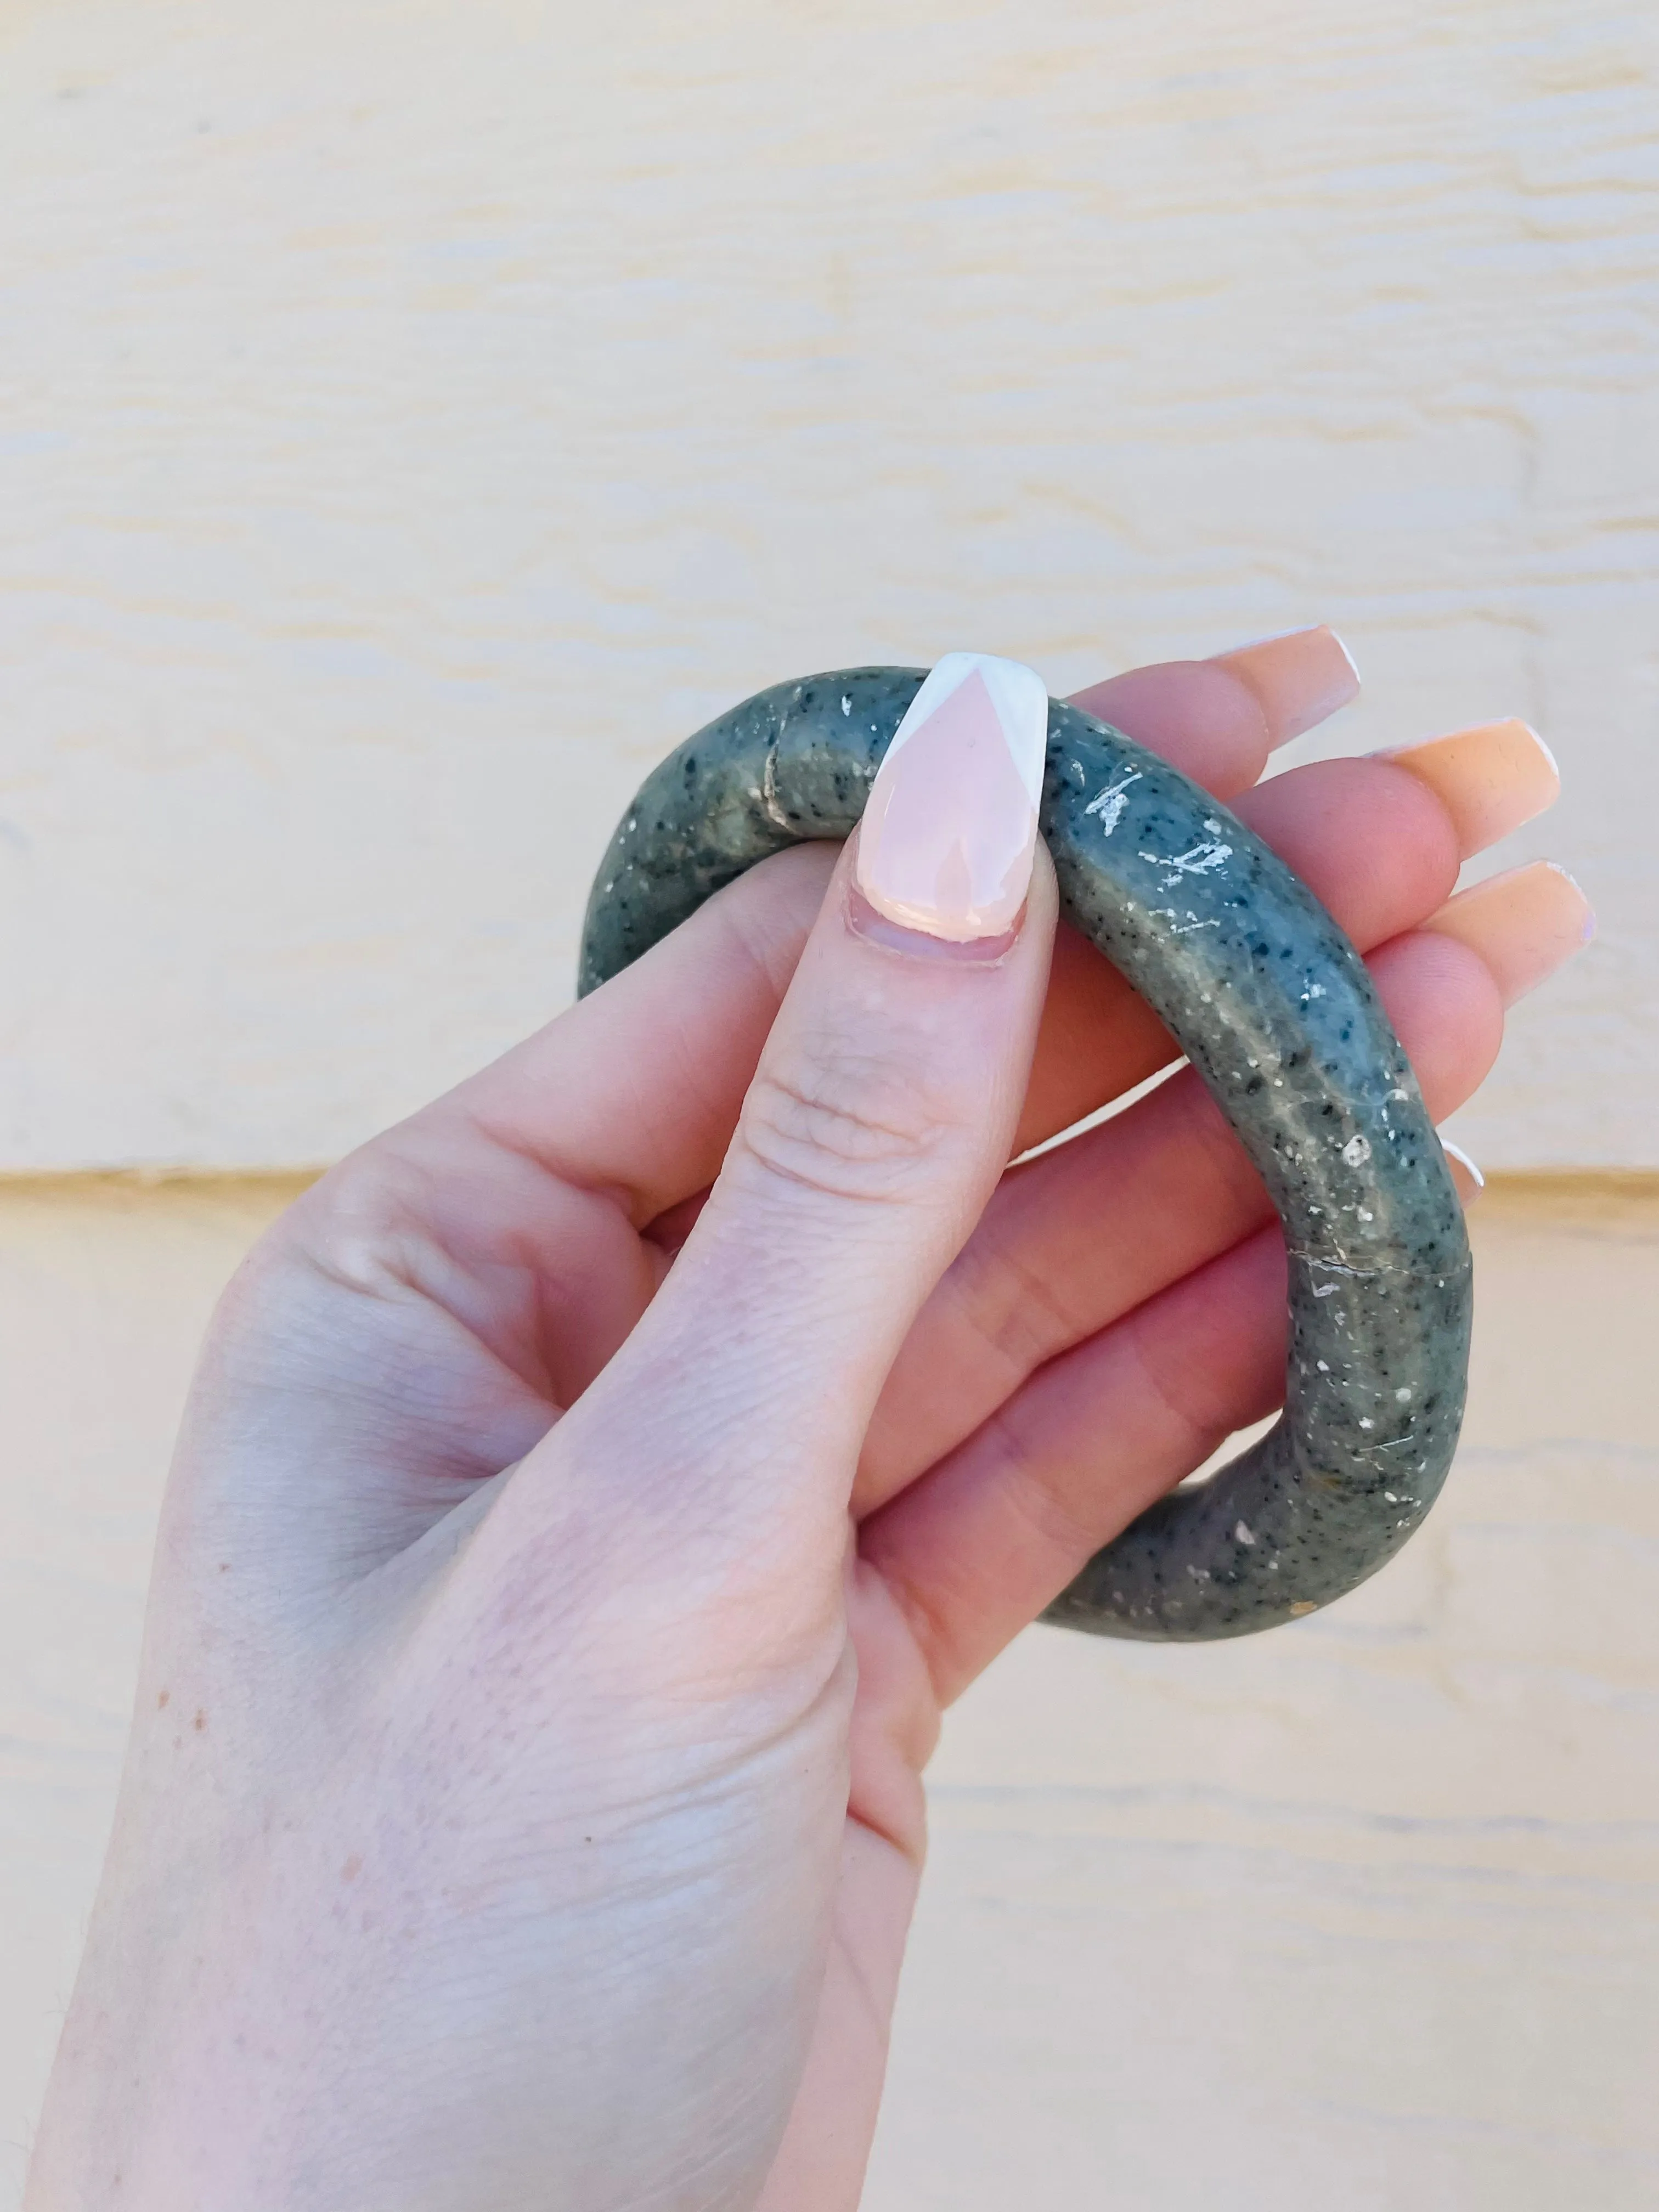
879,1121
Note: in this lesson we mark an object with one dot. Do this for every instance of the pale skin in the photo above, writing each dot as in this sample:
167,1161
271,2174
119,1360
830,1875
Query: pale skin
565,1568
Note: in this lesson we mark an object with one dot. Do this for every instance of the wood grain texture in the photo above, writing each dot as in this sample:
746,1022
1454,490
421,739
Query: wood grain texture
415,418
1363,1914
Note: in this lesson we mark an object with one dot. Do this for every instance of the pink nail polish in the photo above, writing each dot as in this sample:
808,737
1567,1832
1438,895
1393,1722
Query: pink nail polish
949,830
1524,924
1490,779
1299,680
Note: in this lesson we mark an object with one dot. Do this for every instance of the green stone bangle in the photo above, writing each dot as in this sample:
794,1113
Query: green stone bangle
1274,1008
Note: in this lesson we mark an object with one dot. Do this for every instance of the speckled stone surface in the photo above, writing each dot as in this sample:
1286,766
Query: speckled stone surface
1275,1010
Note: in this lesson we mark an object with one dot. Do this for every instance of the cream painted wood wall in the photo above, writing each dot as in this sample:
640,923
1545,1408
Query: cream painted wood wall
415,416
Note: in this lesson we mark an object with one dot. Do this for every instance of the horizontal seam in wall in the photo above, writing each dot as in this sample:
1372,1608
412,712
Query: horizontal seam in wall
1631,1185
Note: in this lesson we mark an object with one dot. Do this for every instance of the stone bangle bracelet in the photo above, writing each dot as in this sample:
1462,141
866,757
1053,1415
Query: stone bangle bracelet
1274,1008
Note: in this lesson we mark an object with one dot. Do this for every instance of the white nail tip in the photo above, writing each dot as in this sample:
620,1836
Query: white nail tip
1017,693
1456,1152
1555,766
1341,645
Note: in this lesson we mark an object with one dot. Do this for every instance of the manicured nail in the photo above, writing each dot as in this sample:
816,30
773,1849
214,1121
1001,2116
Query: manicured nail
949,828
1523,924
1490,779
1465,1174
1298,679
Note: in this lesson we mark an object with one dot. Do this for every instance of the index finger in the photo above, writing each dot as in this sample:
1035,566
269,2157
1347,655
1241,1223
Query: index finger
1217,720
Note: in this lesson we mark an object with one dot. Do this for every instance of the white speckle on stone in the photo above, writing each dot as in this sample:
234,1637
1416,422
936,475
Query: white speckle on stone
846,703
1402,1396
1202,859
1356,1152
1110,804
1242,1533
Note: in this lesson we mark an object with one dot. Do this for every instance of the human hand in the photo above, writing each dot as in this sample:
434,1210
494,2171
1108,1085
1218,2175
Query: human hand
561,1577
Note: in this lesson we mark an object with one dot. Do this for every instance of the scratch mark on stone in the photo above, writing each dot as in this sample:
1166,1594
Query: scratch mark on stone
768,791
1202,859
1110,804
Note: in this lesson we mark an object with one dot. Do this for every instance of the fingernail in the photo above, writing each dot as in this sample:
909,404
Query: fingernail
1523,924
1298,679
949,828
1490,779
1465,1174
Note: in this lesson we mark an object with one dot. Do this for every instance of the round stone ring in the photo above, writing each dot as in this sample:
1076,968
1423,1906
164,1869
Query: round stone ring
1274,1008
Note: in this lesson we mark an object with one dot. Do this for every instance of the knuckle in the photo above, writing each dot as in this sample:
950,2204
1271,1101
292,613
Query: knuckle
357,1218
846,1126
